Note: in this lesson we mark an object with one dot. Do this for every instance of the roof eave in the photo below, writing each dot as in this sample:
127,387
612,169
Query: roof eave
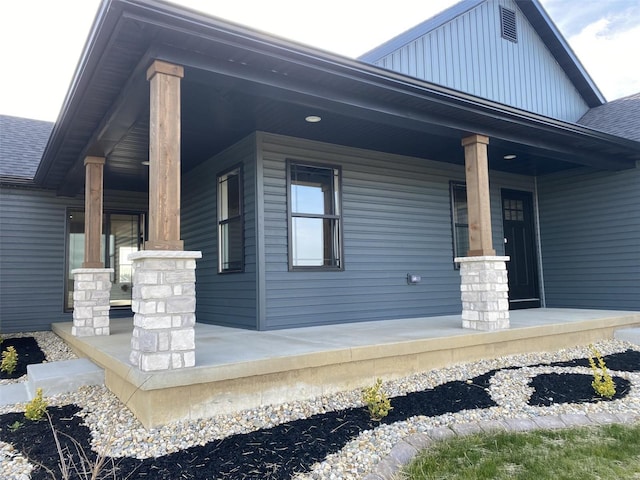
79,82
304,57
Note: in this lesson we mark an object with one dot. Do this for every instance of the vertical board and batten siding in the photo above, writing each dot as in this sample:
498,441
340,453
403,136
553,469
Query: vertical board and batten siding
229,298
590,235
469,54
396,220
32,254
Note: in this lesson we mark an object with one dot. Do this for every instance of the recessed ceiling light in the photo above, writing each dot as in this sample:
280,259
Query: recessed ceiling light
145,163
313,118
509,157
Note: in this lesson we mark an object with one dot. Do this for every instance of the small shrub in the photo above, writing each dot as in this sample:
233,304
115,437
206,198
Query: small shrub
9,360
602,382
36,408
376,401
15,426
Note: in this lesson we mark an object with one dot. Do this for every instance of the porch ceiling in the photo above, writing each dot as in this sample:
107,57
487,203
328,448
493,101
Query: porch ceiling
238,81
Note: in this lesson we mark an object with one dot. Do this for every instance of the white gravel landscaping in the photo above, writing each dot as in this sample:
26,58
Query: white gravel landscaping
115,428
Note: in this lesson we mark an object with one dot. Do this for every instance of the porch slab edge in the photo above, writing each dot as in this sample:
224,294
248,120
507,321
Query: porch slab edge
204,391
517,340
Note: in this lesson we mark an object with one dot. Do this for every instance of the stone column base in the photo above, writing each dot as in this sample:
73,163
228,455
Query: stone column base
164,306
91,297
484,288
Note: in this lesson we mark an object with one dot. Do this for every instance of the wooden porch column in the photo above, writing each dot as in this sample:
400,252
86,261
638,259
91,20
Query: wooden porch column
164,156
477,176
93,196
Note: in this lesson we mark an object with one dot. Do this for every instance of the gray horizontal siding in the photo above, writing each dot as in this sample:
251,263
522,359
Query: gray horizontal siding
32,255
469,54
396,218
230,298
590,230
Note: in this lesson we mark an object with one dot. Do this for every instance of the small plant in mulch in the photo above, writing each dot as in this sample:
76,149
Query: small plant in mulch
15,426
289,448
9,360
29,353
377,401
602,381
36,408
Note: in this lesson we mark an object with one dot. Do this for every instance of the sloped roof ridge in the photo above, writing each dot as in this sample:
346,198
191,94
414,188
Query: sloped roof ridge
537,17
423,28
22,142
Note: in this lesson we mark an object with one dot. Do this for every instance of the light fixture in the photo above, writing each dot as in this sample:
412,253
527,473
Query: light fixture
509,157
145,163
313,118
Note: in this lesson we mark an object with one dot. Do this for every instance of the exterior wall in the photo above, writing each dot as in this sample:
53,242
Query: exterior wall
32,255
469,54
590,232
396,220
229,298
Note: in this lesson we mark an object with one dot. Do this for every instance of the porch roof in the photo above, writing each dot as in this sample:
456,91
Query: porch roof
239,80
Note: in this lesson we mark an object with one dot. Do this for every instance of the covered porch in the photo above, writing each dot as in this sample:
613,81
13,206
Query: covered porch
177,106
239,369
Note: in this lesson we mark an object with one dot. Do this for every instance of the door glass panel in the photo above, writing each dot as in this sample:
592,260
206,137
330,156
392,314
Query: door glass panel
123,240
75,251
122,235
513,210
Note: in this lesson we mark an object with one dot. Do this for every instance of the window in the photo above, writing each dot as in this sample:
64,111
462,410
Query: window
513,210
230,222
459,219
315,238
122,235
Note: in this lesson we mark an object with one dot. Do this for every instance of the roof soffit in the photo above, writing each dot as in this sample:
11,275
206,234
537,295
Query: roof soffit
302,74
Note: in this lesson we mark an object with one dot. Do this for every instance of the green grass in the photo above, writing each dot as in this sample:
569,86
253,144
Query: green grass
602,453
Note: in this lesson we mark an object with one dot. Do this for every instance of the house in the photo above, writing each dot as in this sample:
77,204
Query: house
304,188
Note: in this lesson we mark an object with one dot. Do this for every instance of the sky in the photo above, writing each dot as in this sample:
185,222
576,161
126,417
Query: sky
41,40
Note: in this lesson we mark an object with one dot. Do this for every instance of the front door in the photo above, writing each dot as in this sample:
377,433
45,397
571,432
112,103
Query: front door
520,246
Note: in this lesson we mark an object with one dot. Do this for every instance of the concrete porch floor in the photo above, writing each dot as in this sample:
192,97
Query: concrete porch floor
238,369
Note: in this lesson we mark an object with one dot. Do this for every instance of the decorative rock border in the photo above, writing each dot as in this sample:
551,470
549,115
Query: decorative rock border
362,456
406,450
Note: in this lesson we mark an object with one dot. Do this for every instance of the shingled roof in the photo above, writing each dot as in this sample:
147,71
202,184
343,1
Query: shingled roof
619,117
22,141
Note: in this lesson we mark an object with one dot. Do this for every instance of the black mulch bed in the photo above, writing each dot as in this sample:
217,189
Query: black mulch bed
28,353
281,451
627,361
550,388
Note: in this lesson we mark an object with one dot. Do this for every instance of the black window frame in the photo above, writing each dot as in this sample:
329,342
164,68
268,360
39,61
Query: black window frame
337,218
236,218
453,185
